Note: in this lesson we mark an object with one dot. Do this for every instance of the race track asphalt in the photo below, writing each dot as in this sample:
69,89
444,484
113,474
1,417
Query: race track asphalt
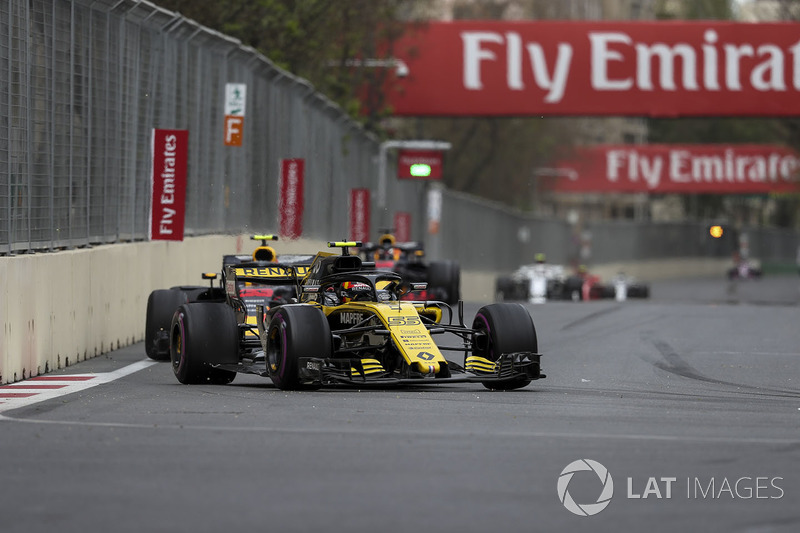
687,403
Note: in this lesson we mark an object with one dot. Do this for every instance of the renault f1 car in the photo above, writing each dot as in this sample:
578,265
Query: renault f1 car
443,278
162,303
349,327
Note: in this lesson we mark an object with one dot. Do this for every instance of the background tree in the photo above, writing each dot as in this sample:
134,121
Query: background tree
314,39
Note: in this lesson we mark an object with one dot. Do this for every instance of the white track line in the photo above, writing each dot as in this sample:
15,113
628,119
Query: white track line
49,386
97,379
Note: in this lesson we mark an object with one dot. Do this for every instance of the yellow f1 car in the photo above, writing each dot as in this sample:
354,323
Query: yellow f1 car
162,303
349,326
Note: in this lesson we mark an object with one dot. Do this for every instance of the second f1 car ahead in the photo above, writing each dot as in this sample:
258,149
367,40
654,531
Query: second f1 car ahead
443,278
162,303
349,326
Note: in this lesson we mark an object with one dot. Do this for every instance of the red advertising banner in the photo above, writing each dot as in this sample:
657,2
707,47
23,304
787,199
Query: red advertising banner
658,68
291,200
402,226
359,214
678,168
170,150
419,164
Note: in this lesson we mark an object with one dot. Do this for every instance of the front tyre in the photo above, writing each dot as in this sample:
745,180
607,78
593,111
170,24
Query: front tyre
203,334
295,331
504,328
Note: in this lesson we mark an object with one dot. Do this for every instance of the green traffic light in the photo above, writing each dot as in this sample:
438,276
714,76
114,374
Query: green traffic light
420,170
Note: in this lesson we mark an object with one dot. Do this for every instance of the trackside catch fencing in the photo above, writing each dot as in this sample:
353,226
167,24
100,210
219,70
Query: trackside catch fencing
83,84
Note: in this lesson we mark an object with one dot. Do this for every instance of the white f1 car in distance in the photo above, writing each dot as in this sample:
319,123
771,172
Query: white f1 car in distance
539,282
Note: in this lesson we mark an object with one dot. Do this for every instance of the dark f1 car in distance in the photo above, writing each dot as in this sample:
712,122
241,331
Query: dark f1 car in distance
744,268
162,303
408,260
350,327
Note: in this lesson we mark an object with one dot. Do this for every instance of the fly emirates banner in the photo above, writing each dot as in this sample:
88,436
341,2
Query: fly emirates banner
676,168
658,69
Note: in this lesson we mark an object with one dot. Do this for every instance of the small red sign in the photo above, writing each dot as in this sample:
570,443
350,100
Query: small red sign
291,201
402,226
168,184
419,164
234,125
359,214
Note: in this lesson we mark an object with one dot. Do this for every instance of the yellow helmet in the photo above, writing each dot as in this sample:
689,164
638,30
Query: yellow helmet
387,239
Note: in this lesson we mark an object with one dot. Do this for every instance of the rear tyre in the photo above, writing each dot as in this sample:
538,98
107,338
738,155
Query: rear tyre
639,291
573,289
446,276
295,331
508,328
203,334
161,305
192,291
503,288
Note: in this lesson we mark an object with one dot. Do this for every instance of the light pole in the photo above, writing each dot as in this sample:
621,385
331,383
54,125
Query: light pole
382,170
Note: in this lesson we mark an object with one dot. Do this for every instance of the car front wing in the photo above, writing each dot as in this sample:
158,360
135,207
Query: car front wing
352,371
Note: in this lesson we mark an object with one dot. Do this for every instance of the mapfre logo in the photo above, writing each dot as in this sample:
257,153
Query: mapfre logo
585,509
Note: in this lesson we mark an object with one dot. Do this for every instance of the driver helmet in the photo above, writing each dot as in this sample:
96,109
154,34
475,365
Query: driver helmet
387,240
265,253
351,291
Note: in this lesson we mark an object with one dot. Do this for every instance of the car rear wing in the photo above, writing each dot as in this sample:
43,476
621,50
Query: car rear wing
272,273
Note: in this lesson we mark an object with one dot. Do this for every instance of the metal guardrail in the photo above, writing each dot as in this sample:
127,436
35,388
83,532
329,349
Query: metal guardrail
83,84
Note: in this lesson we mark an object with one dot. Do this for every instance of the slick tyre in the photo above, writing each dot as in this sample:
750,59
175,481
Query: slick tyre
192,291
161,305
203,334
573,289
506,328
446,276
503,289
639,291
295,331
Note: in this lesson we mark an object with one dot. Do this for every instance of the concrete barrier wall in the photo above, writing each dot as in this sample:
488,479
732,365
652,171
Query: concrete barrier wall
64,307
